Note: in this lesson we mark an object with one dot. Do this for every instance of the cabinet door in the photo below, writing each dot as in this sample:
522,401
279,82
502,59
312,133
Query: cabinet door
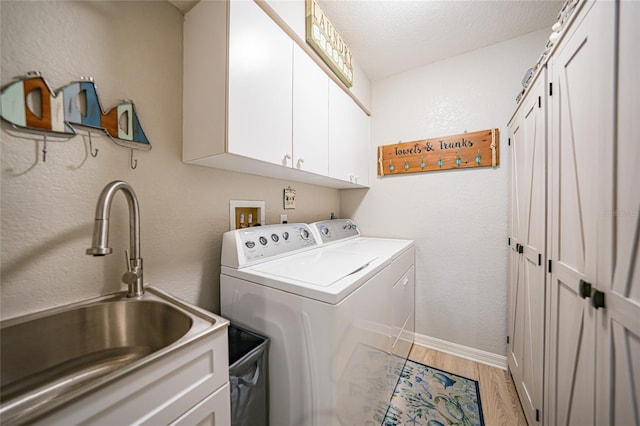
310,115
214,410
582,103
349,138
526,349
260,90
618,391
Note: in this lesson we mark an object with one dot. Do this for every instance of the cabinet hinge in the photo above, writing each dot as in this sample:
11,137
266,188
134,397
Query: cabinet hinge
537,415
550,89
549,266
539,102
509,141
507,340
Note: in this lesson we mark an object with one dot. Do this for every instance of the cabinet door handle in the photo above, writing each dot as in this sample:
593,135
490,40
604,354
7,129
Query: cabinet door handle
300,161
584,289
597,299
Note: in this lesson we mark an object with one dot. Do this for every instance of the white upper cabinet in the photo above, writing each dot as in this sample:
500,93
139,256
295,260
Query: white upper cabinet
260,91
310,115
349,138
255,102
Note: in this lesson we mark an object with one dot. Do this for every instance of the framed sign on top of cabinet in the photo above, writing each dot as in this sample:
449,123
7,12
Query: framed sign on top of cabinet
322,36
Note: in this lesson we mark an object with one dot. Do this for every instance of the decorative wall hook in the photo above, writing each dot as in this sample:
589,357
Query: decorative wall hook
478,157
458,161
44,149
134,164
406,164
94,155
440,160
422,162
391,168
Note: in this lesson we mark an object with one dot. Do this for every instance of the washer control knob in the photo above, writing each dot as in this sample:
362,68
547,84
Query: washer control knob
304,234
325,231
275,238
250,244
263,241
285,235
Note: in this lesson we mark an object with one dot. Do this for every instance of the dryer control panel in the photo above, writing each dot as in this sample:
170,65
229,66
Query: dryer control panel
331,231
249,245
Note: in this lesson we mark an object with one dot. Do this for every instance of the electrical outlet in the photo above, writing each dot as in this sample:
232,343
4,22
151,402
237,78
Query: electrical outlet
283,218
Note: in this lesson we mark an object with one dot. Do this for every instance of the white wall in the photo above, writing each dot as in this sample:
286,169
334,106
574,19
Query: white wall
133,50
457,218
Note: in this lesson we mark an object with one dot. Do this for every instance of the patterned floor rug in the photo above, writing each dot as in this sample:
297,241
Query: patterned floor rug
427,396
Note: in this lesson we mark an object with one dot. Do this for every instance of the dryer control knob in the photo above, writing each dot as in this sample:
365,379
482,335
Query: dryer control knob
275,238
285,235
250,244
263,241
304,234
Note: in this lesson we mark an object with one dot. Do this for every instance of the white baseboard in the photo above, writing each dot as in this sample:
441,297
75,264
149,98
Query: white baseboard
473,354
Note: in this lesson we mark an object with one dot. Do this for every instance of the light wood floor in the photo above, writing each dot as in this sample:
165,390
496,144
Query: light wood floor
500,404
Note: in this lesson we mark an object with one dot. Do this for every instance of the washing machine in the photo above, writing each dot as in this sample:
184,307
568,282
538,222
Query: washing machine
331,307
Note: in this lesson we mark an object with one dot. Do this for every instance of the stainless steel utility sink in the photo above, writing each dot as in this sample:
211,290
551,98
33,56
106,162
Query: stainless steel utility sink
52,357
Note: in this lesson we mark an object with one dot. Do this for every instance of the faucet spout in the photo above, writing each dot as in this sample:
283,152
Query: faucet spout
100,243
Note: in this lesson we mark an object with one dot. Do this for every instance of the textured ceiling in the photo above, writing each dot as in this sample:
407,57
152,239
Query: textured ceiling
387,37
391,36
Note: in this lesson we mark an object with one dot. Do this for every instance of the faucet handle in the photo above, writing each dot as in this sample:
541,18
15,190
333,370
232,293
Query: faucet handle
132,274
127,264
130,277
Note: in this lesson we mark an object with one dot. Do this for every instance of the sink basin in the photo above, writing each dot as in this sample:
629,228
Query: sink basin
52,357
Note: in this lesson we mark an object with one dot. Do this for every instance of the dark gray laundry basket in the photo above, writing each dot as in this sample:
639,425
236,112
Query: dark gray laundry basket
249,386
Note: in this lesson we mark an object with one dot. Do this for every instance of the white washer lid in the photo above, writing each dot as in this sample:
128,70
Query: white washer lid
317,267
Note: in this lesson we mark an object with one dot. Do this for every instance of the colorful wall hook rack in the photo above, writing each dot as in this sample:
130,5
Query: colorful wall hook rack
30,105
466,150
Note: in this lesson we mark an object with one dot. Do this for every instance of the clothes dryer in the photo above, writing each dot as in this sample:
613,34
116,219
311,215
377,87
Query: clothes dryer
328,311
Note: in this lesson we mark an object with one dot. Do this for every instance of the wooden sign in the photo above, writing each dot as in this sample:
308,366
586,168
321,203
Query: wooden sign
476,149
325,40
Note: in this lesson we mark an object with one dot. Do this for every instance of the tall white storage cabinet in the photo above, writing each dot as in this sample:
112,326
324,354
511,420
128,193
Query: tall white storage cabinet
528,147
618,324
581,134
591,362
